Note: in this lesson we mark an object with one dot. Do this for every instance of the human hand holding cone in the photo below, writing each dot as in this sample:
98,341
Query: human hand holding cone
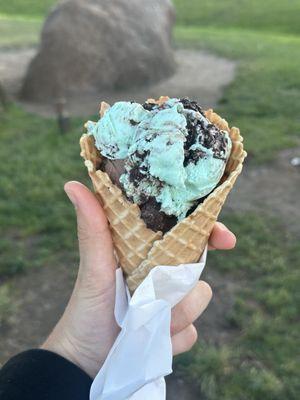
139,249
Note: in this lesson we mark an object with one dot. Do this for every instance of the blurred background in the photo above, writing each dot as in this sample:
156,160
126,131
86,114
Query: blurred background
241,57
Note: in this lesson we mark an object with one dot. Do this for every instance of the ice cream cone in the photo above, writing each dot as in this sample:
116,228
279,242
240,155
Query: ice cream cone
132,239
140,249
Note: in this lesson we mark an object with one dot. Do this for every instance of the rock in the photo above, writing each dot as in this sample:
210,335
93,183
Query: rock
88,46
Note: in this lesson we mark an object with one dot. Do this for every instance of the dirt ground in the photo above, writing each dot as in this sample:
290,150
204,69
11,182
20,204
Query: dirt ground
272,188
41,297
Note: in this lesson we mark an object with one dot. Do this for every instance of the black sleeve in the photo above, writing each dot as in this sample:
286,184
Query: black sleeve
42,375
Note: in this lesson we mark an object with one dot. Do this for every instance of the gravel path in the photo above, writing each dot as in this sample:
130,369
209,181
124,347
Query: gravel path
13,65
200,76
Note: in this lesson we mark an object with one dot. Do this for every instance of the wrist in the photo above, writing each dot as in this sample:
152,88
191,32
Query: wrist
64,347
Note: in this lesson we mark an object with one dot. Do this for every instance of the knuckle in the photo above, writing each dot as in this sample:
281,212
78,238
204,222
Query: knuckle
87,234
181,319
83,234
186,312
191,336
206,290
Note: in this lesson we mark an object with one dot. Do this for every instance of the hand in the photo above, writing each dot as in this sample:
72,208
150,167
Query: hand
87,330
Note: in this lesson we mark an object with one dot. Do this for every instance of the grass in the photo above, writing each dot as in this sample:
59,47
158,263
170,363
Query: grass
16,32
260,362
36,219
267,15
21,21
27,8
263,99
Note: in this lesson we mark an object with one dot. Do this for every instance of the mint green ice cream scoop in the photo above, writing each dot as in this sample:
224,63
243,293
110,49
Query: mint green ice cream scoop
168,156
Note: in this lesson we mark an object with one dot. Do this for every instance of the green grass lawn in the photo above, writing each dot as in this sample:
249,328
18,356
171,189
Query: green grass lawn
260,361
270,15
267,15
37,222
30,8
36,219
264,98
16,32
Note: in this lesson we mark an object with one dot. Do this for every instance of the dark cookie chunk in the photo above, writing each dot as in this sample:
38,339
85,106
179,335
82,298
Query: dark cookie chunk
193,156
136,175
208,135
136,171
114,169
149,106
156,219
191,105
213,138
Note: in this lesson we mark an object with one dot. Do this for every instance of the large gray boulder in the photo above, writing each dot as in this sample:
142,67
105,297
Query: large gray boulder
95,45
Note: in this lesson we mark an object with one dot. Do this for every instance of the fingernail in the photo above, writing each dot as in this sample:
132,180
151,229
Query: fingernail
223,227
72,197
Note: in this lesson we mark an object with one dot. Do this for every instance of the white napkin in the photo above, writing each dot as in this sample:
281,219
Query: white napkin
142,353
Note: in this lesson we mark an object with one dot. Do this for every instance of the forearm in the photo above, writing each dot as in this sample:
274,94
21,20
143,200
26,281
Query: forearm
40,374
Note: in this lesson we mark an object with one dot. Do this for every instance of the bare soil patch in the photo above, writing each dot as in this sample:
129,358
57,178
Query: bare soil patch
272,189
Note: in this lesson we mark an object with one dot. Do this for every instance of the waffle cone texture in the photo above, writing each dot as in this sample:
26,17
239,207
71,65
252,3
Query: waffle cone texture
139,249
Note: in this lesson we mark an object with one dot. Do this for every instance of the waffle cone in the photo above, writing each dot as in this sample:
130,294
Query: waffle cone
132,239
140,249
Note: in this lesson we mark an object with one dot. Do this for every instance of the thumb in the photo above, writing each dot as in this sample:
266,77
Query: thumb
95,242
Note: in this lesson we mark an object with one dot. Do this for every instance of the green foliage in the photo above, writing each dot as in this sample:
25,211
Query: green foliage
35,215
260,362
263,99
267,15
